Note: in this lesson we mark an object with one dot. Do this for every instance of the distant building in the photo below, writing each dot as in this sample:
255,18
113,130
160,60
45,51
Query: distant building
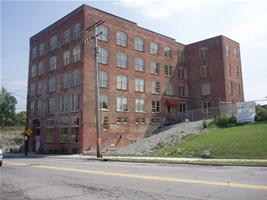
145,77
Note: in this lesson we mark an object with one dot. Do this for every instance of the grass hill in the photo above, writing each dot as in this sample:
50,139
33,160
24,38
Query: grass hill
241,141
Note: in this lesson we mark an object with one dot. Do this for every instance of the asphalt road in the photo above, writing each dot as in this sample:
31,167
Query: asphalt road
75,179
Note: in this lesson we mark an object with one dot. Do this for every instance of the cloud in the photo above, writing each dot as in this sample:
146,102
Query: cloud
156,9
252,30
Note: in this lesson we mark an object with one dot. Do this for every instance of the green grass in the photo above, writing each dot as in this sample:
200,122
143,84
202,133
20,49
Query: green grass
243,141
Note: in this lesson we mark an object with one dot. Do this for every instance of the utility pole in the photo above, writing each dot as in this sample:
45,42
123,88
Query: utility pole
97,112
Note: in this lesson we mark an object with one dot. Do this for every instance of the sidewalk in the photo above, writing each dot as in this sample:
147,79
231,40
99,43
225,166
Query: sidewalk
200,161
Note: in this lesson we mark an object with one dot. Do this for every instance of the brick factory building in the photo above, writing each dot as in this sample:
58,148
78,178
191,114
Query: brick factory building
145,79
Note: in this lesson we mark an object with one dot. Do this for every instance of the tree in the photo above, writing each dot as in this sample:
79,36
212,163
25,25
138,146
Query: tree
7,108
21,118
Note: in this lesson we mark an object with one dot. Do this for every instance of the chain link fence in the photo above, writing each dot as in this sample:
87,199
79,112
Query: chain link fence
225,108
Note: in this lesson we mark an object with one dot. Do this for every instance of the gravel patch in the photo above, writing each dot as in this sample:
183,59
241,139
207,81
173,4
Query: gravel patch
173,135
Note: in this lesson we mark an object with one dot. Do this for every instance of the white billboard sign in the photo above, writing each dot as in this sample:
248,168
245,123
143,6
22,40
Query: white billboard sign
246,111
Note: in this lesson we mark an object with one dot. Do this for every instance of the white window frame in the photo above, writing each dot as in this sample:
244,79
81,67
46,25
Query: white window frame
122,104
139,44
139,64
103,79
139,85
139,105
102,56
122,82
122,60
121,38
154,48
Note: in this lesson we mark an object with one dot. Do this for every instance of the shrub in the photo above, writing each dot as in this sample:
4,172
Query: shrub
75,151
225,121
40,150
261,113
205,124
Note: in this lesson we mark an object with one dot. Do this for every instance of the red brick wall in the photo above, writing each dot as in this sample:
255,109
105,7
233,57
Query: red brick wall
119,135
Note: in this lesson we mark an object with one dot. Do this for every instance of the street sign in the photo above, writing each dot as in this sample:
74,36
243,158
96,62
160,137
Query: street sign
28,132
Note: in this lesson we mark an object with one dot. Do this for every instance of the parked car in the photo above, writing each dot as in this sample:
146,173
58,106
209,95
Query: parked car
1,156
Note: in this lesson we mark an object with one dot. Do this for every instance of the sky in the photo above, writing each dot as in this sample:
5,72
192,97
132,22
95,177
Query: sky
186,21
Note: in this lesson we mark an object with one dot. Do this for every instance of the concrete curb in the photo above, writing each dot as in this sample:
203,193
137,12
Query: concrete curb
193,161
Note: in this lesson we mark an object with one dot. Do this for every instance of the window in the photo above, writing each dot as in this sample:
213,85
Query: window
155,106
66,58
121,38
76,78
65,82
227,51
205,106
204,71
182,73
32,90
77,31
51,85
182,107
32,107
64,103
124,119
52,63
154,48
139,64
154,67
34,53
64,126
118,121
139,105
53,43
105,123
180,55
155,87
235,53
104,33
102,56
169,89
51,102
122,104
76,54
40,68
74,129
103,79
39,88
237,70
230,87
203,53
183,91
74,102
39,107
122,82
67,36
168,70
168,52
205,89
34,71
104,102
138,44
50,131
140,120
41,49
122,60
139,85
229,70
